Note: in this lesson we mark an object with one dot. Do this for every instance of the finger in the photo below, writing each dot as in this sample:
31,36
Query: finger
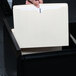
36,3
40,1
27,2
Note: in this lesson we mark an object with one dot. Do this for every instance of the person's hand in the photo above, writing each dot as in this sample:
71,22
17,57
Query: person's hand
35,2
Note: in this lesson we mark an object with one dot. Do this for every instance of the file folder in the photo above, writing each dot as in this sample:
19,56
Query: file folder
48,28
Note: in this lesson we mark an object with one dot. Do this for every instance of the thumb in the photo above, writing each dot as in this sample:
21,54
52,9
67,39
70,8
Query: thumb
35,2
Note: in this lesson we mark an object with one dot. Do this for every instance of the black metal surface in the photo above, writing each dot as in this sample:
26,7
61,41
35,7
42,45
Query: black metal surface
2,67
49,64
9,49
1,49
5,8
11,34
10,55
